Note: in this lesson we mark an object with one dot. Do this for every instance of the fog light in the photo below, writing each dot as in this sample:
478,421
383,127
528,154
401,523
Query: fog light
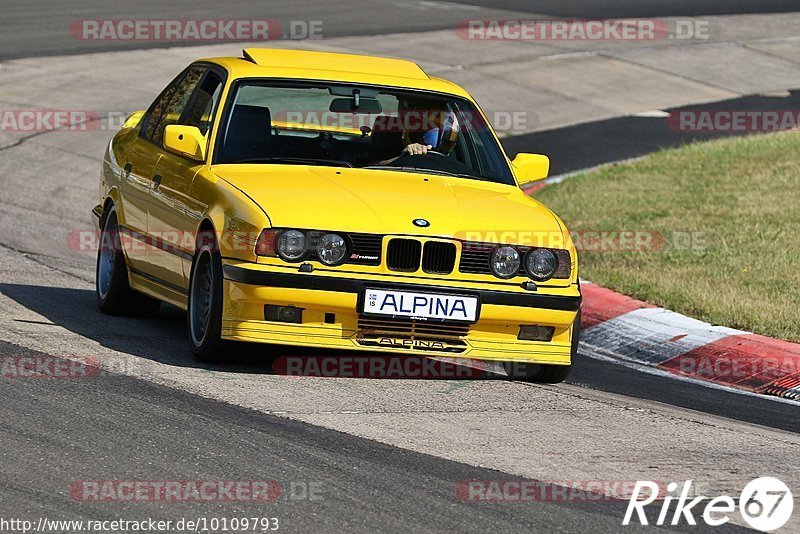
535,333
283,314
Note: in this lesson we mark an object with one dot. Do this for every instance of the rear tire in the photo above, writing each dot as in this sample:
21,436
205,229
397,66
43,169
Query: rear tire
204,315
113,291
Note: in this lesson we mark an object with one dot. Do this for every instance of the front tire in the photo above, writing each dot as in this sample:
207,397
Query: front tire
554,374
113,291
205,304
547,373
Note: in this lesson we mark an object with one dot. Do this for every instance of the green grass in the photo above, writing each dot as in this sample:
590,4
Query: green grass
741,196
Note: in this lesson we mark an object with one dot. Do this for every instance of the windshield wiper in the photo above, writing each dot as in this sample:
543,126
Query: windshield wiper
426,170
298,161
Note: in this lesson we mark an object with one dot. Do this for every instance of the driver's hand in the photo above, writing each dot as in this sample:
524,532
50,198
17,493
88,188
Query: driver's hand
416,149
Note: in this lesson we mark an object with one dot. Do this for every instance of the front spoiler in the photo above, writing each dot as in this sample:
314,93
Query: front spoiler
247,289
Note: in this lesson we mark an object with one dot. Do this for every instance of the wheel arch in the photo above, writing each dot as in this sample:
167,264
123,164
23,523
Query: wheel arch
112,199
206,227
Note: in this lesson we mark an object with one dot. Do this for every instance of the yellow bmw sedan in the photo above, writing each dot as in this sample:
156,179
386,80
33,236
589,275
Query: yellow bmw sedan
341,201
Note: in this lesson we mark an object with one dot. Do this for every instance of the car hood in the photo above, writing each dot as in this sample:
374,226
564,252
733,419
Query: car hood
388,202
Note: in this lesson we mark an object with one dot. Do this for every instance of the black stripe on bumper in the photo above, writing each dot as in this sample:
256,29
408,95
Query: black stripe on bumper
346,285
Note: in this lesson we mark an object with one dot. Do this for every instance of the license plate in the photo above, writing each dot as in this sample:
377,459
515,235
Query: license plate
421,305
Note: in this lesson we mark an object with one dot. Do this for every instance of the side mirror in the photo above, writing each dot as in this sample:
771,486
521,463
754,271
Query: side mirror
185,141
531,167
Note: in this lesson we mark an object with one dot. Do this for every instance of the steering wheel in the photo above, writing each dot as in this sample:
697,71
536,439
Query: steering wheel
433,160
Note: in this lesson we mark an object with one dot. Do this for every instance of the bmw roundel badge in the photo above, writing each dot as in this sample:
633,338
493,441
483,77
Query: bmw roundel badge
421,223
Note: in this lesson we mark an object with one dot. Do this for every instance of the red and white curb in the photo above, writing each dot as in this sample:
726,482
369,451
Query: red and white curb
627,330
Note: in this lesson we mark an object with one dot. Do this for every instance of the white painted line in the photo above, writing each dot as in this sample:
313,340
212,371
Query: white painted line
652,114
444,68
436,4
776,94
568,55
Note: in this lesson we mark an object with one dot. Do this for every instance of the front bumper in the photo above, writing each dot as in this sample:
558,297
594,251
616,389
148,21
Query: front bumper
331,317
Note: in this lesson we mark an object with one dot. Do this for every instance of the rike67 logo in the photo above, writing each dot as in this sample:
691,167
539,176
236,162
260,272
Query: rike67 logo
765,504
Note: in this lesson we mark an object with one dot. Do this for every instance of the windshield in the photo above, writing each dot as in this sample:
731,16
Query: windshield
360,126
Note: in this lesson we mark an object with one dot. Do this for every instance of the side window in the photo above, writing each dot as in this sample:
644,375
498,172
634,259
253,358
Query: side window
201,110
174,109
477,138
158,106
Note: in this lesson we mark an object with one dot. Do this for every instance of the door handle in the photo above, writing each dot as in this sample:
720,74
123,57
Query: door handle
156,181
128,167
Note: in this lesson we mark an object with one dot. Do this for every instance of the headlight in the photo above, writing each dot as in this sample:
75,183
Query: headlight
541,264
292,245
505,262
331,249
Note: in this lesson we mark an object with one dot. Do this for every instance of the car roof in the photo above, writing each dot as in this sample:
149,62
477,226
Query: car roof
332,66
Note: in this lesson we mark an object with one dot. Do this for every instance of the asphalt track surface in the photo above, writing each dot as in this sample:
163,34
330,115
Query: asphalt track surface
583,146
41,27
99,428
390,470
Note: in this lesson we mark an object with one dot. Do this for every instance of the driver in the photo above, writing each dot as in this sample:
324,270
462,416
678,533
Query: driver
428,126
